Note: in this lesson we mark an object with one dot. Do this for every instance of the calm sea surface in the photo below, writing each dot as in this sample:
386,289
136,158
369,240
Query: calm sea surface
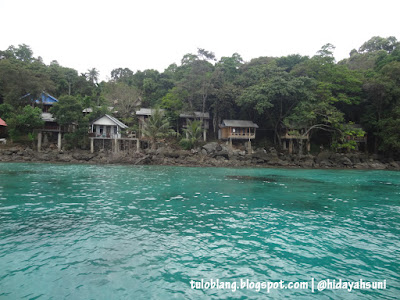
125,232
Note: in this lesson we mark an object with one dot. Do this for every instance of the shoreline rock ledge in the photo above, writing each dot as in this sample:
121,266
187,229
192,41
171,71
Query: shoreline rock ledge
210,155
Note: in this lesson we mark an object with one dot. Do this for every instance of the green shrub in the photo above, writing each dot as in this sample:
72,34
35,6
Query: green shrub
186,144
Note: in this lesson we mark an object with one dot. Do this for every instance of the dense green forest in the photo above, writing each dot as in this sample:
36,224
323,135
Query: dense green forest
315,93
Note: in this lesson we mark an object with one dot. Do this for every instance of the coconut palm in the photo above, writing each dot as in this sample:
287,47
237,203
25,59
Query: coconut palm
156,127
93,75
193,131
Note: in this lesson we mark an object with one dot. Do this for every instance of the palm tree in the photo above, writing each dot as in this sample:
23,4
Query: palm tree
157,126
93,75
193,131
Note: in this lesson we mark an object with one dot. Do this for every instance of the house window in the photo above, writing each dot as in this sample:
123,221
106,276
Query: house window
101,129
115,129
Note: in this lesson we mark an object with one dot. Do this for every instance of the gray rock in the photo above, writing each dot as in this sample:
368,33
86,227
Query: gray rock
283,163
211,147
323,156
44,157
64,158
325,163
345,161
172,154
309,163
82,156
361,166
377,166
276,161
261,155
355,159
272,150
242,153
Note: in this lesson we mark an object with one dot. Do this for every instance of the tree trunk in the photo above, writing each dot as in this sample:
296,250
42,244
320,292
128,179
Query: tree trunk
301,147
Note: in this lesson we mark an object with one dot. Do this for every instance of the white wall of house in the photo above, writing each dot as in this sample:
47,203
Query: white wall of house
107,131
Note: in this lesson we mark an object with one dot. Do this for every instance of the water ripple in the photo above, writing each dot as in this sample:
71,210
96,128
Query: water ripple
112,232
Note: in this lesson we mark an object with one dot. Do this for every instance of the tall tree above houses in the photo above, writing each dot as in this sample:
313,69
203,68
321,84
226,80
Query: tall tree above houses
124,98
196,79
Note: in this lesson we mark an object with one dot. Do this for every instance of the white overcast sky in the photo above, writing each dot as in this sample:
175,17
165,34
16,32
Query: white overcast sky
152,34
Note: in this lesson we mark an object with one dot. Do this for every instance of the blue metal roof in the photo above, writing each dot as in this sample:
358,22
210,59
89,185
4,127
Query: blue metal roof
44,98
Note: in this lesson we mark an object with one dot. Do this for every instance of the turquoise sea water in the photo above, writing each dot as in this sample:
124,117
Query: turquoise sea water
123,232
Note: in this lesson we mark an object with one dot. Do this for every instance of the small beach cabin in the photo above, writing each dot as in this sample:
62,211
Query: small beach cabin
45,101
51,133
106,133
237,130
185,117
107,127
242,130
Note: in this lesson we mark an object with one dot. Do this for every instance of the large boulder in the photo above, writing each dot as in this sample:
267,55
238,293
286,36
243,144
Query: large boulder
345,161
212,147
261,156
307,163
222,153
323,156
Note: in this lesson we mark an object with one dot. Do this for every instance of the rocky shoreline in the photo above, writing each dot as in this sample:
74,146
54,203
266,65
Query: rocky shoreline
210,155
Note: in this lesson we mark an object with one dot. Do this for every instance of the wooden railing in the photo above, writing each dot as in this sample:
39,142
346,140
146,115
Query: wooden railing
239,135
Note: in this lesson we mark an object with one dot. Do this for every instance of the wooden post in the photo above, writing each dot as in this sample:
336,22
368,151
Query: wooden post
284,144
205,135
290,146
59,141
39,142
137,145
116,145
92,145
308,146
249,146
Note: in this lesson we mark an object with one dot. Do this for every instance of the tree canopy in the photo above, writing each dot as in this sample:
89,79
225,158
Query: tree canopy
315,92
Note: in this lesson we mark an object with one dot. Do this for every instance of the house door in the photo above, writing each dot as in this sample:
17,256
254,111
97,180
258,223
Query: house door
108,131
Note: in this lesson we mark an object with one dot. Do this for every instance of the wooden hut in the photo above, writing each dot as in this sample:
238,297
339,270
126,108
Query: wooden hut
244,130
51,130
